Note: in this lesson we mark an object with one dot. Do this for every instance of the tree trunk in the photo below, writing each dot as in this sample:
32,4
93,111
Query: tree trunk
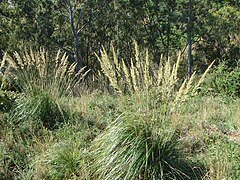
75,36
190,5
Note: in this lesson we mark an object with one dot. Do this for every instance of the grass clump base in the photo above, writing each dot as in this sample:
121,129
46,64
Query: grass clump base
34,112
131,148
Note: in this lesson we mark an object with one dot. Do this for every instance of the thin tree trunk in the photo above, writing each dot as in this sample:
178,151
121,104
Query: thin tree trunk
190,5
75,35
168,29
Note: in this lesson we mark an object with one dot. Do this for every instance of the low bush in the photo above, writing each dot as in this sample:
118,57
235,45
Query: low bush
7,100
223,80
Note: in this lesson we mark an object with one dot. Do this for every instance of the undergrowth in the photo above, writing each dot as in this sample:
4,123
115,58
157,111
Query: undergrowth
152,125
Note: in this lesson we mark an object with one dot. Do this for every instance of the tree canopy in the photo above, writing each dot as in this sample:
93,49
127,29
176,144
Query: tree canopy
158,25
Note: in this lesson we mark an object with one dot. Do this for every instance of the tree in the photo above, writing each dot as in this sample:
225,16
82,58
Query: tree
216,32
81,28
27,22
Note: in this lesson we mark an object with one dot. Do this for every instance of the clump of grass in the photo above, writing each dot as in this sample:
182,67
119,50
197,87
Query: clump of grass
133,148
155,88
34,72
44,82
66,160
66,157
35,112
143,145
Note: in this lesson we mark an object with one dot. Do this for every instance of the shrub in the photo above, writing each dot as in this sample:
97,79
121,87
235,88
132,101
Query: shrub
223,80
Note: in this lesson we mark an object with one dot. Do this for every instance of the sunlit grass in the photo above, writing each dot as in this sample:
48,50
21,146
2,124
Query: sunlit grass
34,72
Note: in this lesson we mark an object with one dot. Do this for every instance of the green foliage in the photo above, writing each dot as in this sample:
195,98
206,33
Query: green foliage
7,100
27,23
159,25
223,81
217,26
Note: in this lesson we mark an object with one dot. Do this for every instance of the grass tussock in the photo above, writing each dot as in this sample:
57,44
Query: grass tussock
33,113
160,85
44,82
132,148
35,71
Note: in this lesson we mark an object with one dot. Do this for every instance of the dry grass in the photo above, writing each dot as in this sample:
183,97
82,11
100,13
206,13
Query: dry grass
209,128
34,71
139,77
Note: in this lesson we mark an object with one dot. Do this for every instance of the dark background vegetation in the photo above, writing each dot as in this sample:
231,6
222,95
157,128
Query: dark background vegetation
159,25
